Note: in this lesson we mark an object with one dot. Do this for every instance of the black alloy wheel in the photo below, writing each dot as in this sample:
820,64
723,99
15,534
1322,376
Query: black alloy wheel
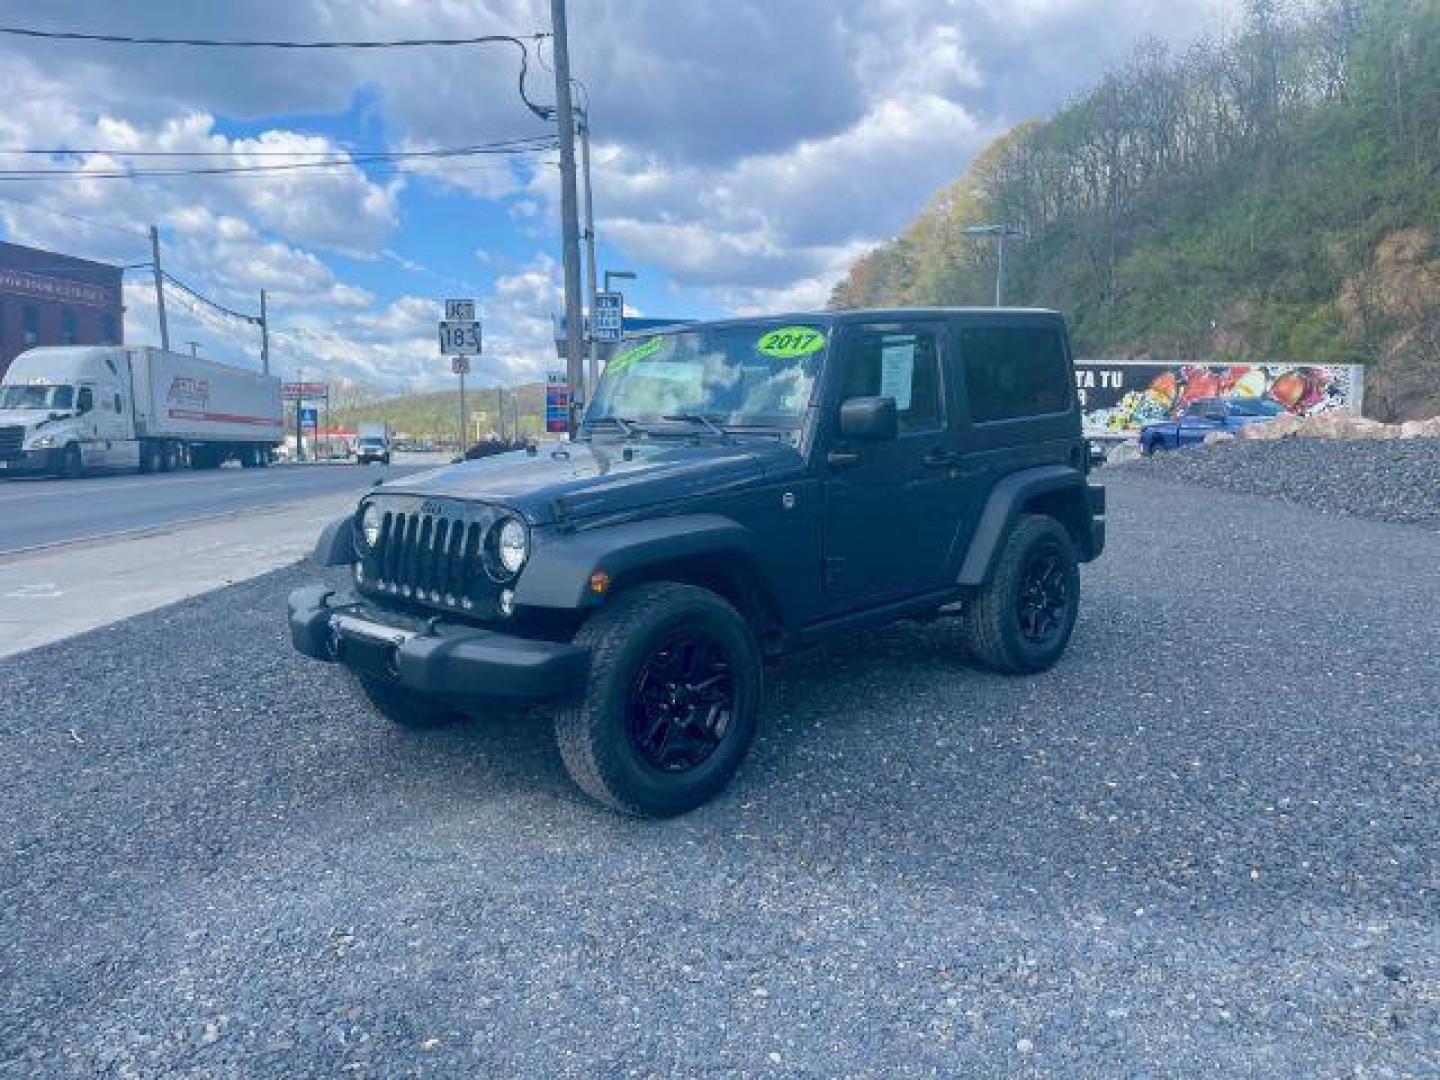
669,707
1042,601
682,703
1020,621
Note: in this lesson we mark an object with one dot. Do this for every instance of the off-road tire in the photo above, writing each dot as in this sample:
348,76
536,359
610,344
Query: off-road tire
592,731
403,707
991,623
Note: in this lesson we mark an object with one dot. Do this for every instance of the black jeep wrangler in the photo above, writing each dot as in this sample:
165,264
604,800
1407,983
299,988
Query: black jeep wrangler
737,490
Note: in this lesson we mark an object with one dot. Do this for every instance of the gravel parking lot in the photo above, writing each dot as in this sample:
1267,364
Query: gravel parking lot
1387,480
1206,843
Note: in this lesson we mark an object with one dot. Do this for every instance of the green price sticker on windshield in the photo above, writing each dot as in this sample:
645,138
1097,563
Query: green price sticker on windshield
638,352
791,341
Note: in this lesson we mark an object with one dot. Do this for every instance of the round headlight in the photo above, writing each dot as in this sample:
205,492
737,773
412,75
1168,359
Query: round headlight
513,545
370,525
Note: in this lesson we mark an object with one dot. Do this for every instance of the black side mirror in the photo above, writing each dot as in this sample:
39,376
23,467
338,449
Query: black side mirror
869,418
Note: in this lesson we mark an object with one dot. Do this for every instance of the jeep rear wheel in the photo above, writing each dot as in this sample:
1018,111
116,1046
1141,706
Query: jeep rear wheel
401,706
669,708
1021,622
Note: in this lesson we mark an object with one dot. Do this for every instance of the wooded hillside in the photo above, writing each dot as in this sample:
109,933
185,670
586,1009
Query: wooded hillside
1268,196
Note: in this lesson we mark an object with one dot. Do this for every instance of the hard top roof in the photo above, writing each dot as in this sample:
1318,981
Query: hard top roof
838,318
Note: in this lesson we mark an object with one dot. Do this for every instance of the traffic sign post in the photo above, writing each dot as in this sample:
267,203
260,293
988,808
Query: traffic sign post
460,339
609,317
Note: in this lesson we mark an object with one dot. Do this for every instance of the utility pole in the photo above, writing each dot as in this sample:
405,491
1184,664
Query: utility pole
569,211
159,287
593,375
264,336
299,430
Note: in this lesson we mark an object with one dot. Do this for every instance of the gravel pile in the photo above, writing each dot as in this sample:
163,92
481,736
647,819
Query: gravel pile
1389,480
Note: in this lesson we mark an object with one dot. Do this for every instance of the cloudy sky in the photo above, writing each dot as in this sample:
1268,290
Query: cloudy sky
746,151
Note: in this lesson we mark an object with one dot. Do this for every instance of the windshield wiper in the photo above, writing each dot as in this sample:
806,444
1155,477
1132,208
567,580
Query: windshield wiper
627,427
697,418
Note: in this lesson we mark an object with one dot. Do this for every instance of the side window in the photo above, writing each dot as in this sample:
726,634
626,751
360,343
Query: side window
86,401
900,362
1015,371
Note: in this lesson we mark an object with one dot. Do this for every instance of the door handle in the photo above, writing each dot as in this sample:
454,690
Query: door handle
940,459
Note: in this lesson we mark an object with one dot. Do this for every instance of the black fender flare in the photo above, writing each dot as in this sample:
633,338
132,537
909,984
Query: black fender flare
1003,506
336,546
558,573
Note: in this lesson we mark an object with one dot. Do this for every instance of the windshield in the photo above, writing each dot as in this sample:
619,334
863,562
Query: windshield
37,397
746,376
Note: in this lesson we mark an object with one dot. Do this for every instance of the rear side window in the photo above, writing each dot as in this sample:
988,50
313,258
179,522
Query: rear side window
1015,371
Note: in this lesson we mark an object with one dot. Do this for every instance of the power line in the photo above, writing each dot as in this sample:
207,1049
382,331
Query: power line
379,171
530,146
253,320
349,152
542,111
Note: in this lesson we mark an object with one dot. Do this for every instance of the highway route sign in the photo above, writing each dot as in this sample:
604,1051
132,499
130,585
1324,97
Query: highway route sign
460,337
609,321
460,310
460,365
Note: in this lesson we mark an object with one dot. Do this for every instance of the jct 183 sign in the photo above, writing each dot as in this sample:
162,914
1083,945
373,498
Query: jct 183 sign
459,338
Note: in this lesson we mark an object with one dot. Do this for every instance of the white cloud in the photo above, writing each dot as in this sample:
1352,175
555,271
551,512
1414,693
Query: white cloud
747,150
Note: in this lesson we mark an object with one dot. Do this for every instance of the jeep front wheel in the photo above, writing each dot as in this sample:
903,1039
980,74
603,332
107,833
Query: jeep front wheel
1020,623
669,709
402,707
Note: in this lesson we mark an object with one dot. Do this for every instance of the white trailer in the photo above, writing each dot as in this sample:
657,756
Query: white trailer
71,409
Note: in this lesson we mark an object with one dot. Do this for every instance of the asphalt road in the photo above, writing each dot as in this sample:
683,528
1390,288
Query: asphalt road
43,511
1205,844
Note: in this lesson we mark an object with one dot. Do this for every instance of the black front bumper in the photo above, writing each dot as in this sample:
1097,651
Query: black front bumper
447,660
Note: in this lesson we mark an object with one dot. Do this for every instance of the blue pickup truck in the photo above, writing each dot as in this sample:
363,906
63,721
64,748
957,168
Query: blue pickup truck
1205,415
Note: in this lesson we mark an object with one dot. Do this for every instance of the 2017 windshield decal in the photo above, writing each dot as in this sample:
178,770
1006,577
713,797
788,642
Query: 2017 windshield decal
639,352
791,341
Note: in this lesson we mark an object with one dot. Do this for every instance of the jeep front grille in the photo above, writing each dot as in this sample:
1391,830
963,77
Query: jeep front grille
427,557
11,440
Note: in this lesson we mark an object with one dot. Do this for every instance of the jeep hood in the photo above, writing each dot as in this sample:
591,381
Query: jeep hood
581,479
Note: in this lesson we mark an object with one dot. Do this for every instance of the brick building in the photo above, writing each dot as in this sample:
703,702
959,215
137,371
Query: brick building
51,299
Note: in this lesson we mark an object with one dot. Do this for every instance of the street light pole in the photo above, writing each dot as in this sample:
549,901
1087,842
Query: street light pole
569,210
1001,233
